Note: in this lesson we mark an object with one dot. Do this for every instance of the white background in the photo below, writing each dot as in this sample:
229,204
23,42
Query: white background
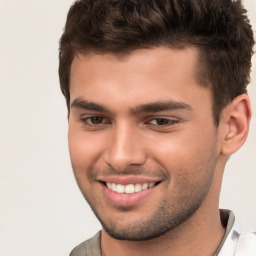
41,209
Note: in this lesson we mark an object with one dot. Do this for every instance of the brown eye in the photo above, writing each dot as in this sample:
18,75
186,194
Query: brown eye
96,120
162,121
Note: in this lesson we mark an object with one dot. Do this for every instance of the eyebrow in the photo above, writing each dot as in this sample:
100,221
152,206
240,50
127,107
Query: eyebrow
144,108
88,105
161,106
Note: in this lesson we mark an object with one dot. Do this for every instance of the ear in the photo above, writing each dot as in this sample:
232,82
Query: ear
235,120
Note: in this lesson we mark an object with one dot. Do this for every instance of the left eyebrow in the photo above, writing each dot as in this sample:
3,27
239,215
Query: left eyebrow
161,106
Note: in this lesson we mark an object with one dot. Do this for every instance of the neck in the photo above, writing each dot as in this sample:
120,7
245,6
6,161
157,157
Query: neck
196,236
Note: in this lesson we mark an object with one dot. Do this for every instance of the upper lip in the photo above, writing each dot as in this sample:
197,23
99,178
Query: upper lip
125,180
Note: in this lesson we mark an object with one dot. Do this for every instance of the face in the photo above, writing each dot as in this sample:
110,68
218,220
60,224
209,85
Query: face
142,139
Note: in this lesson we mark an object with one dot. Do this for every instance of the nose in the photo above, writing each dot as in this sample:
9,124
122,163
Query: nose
125,148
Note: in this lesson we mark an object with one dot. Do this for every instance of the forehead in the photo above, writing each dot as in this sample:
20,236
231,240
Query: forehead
140,58
141,76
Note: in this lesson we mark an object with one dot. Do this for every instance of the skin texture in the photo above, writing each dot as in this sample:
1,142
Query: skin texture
145,116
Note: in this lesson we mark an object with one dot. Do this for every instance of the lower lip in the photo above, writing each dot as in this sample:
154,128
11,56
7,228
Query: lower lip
126,199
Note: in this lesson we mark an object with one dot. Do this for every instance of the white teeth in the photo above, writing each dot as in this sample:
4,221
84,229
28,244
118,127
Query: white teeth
119,188
144,186
109,185
114,187
150,185
137,188
130,188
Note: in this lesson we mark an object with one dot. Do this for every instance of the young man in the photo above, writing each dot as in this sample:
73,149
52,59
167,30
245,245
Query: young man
156,96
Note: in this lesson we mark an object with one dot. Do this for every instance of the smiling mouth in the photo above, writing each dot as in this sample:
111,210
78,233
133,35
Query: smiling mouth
129,188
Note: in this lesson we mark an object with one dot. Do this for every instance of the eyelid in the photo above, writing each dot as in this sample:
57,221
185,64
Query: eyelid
84,119
171,119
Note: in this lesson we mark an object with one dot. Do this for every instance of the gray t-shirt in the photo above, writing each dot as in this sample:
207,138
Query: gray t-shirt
90,247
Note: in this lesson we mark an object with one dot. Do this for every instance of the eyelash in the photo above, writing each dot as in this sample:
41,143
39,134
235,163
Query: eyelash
87,121
169,121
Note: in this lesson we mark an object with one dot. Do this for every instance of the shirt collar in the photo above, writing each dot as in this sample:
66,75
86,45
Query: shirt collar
232,234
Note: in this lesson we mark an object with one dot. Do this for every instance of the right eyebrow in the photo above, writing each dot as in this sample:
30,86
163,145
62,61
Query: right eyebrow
88,105
161,106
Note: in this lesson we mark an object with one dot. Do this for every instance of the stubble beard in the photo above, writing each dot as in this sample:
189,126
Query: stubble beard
161,222
166,217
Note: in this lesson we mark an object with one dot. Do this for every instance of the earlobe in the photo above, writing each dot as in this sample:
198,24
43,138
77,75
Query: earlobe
236,118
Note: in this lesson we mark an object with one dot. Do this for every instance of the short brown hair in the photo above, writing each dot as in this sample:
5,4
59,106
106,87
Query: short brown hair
220,30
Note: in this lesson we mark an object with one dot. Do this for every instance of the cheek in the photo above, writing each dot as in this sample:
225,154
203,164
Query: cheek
185,150
84,148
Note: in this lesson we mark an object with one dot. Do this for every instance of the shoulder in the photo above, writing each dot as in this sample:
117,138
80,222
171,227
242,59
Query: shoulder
246,245
90,247
237,240
79,250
